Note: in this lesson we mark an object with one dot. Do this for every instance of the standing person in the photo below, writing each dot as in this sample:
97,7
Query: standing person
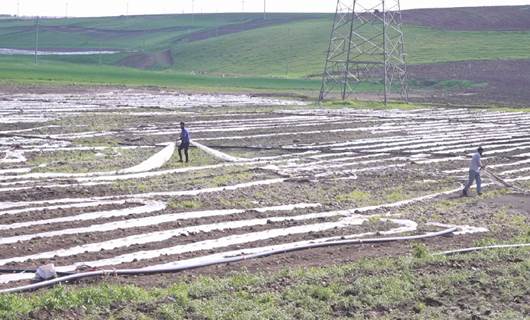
184,141
474,172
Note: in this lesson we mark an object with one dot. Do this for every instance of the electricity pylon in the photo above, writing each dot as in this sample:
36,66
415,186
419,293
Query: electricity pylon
366,44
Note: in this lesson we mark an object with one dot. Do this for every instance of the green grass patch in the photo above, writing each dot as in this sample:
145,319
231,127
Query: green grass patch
395,195
184,204
385,288
287,55
197,157
446,85
359,197
193,180
503,220
89,161
230,178
298,49
21,70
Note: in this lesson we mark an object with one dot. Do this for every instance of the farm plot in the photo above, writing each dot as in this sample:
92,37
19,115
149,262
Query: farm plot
92,180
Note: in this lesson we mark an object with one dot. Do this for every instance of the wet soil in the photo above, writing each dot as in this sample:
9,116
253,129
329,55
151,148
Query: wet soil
66,241
318,257
375,182
50,214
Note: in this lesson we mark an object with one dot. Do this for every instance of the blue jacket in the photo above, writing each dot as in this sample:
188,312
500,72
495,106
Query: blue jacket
185,136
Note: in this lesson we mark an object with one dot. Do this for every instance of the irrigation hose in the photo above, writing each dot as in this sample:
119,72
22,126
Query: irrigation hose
497,179
226,259
504,183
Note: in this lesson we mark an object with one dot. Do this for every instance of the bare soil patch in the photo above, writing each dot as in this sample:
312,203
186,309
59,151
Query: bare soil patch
501,18
507,81
142,60
240,27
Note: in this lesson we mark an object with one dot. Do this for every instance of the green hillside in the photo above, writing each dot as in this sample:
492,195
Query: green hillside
22,70
298,49
131,32
234,45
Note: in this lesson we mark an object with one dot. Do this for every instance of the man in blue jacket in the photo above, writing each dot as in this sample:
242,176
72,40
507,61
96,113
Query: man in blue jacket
184,141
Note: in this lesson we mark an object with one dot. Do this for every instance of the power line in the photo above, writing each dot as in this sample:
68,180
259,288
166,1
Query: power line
36,40
192,11
287,60
366,45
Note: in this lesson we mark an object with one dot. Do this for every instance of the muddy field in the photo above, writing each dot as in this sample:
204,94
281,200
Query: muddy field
92,180
503,82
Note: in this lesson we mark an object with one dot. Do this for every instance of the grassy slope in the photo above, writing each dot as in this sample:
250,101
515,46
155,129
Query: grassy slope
22,70
296,47
273,58
301,47
21,33
292,49
491,284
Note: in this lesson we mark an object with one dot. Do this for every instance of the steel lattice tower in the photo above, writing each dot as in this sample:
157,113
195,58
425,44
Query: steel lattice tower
366,44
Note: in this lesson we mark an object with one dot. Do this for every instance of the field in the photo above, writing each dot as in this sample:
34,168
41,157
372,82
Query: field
288,209
90,180
21,71
456,56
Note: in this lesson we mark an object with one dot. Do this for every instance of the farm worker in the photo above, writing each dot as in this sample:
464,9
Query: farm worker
474,171
184,141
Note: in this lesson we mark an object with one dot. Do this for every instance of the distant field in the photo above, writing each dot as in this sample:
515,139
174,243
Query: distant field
298,49
131,32
73,195
23,71
244,52
286,45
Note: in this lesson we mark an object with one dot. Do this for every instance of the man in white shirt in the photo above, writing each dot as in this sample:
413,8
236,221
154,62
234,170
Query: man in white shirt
474,172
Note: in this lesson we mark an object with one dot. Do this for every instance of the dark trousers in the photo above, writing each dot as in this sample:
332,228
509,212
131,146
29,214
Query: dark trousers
184,146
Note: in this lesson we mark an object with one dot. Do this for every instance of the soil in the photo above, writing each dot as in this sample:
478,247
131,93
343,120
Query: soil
501,18
379,177
240,27
507,81
318,257
143,60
